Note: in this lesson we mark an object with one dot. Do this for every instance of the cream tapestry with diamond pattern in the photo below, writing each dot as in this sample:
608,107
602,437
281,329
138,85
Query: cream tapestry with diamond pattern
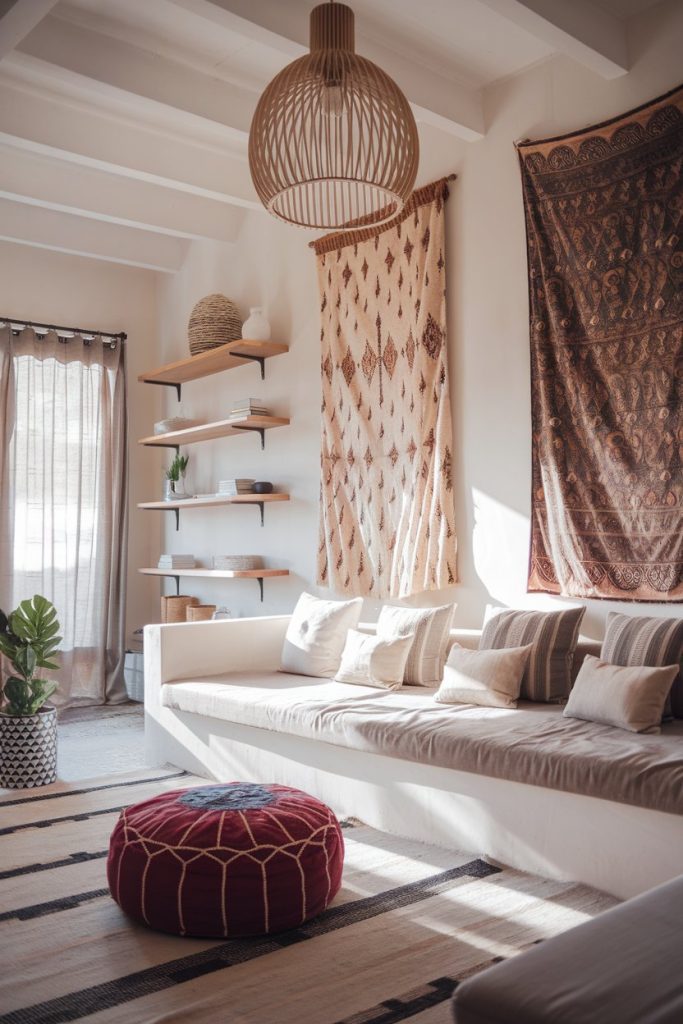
386,509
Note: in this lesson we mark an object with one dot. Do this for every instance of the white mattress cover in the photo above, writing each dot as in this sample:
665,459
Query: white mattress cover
534,744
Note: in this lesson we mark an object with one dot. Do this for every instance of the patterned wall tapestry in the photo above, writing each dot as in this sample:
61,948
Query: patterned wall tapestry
386,510
604,239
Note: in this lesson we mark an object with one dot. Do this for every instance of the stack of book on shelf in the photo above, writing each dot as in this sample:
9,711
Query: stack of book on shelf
176,562
231,488
247,407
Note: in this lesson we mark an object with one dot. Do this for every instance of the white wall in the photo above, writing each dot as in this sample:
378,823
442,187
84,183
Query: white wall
52,287
488,344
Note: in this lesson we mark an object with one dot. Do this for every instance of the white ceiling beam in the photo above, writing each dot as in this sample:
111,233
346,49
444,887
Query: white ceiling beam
577,28
82,236
118,64
45,181
18,18
436,101
37,119
45,77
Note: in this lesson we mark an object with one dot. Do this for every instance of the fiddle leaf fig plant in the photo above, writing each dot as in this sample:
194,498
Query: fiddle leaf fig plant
29,639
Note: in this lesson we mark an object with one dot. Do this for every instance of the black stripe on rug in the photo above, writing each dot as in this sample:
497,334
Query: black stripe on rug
65,862
84,816
89,789
108,994
48,822
52,906
407,1005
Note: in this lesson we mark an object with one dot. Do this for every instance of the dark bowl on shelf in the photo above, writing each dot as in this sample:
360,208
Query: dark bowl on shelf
262,487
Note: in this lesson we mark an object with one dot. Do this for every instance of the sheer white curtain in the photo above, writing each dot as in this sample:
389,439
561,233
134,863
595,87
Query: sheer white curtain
63,500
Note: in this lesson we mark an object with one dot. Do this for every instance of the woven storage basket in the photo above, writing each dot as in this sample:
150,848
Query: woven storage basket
214,320
174,607
237,562
199,612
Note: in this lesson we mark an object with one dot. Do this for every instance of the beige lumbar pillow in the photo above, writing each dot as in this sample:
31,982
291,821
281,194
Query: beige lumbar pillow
489,679
370,661
627,697
430,628
316,635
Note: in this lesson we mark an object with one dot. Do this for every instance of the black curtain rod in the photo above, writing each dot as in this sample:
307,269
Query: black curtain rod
16,325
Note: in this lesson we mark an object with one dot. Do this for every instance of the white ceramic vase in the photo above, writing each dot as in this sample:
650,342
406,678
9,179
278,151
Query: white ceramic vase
256,327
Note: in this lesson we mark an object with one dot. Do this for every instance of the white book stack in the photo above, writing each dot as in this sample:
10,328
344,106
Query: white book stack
176,562
247,407
231,488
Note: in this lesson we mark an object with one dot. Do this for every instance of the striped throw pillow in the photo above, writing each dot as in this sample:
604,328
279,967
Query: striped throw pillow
646,640
430,628
548,673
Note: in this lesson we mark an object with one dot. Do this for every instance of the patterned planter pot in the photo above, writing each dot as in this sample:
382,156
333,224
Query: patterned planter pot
28,749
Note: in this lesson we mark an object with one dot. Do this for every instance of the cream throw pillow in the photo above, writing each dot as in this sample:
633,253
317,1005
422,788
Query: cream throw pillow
430,628
316,635
370,661
627,697
490,679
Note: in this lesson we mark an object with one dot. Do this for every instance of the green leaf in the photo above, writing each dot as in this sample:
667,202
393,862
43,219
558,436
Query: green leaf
25,660
18,696
30,639
6,646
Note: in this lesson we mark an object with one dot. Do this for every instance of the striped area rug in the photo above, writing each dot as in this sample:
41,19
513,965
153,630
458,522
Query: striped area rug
409,924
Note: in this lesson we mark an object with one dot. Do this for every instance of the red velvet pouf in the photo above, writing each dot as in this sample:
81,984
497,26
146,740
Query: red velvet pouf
226,861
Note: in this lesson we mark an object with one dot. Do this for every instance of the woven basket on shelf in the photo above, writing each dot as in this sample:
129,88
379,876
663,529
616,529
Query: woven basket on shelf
237,563
214,320
200,612
174,607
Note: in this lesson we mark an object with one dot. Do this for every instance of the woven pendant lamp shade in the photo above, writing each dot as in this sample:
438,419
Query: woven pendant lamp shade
333,142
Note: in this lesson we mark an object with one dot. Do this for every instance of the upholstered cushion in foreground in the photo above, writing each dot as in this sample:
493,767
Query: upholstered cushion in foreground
623,966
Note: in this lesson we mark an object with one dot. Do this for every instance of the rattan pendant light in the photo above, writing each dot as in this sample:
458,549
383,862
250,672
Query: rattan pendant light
333,142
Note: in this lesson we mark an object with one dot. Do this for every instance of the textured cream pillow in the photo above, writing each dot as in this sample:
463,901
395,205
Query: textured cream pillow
316,635
490,679
369,661
430,628
627,697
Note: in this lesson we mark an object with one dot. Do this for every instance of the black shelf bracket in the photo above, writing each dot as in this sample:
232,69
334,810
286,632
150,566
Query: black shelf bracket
255,359
175,446
177,514
261,506
166,384
261,431
259,580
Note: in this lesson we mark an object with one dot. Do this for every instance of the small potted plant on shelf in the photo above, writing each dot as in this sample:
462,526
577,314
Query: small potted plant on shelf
174,475
28,730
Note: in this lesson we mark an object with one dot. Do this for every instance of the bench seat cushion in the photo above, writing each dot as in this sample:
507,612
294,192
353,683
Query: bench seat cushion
621,966
533,745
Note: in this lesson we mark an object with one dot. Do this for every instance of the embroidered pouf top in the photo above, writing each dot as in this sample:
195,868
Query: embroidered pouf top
226,861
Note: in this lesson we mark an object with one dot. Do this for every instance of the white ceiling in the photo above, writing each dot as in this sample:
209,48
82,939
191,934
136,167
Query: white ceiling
124,123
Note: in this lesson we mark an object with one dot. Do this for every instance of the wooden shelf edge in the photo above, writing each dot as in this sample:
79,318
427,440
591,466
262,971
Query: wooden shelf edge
239,499
214,360
212,431
218,573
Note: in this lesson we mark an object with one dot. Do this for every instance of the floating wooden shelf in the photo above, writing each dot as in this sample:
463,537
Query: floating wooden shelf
210,431
214,360
187,503
226,574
